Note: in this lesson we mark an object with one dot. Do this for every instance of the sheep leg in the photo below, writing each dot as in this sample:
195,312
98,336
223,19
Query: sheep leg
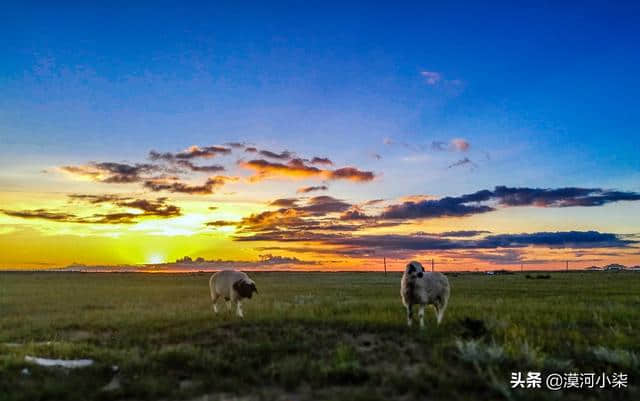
228,301
440,312
239,309
214,303
409,315
421,315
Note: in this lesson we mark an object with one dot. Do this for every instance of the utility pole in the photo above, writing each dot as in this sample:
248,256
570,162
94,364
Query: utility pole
385,265
567,263
432,265
521,267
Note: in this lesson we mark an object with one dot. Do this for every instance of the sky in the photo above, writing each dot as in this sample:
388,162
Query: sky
320,135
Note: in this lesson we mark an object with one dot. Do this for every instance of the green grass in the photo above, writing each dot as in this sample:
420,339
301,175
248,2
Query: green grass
313,336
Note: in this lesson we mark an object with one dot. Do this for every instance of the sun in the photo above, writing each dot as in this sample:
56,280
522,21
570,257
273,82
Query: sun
155,259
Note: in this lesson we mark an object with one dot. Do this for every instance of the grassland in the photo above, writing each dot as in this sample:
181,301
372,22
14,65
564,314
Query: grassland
313,336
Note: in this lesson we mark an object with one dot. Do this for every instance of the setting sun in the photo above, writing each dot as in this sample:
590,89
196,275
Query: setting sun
155,259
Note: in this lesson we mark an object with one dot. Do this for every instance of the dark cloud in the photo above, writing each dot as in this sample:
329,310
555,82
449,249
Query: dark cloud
463,162
305,190
463,233
39,214
193,152
566,239
355,214
205,152
444,207
148,208
560,197
295,217
155,207
210,186
284,202
156,156
109,172
470,204
321,160
398,242
251,149
323,205
285,155
221,223
236,145
351,173
213,168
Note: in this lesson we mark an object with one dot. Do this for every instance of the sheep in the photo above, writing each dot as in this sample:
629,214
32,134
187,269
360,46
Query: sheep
233,286
418,287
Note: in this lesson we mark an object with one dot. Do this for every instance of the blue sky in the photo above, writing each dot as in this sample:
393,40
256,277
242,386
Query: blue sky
545,94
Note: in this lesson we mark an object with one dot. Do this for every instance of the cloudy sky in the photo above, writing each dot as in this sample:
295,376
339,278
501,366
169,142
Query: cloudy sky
332,133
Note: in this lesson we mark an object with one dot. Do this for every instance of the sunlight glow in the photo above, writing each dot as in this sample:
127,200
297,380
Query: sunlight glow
155,259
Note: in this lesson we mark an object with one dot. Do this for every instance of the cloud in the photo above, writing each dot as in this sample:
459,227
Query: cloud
305,190
192,152
213,168
322,160
39,214
285,155
323,205
399,242
566,239
148,208
560,197
454,145
265,169
157,207
221,223
109,172
432,77
251,149
206,152
350,173
462,162
460,145
210,186
284,202
295,216
355,214
451,86
236,145
470,204
296,168
444,207
463,233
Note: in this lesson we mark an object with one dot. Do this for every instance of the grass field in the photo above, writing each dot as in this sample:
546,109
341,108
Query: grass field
313,336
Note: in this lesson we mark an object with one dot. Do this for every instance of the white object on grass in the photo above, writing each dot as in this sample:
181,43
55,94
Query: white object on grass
65,363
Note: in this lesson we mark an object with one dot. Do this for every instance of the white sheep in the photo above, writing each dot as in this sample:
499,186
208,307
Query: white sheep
233,286
418,287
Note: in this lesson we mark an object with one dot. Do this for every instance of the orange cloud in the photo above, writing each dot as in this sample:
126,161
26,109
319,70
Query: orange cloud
297,169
